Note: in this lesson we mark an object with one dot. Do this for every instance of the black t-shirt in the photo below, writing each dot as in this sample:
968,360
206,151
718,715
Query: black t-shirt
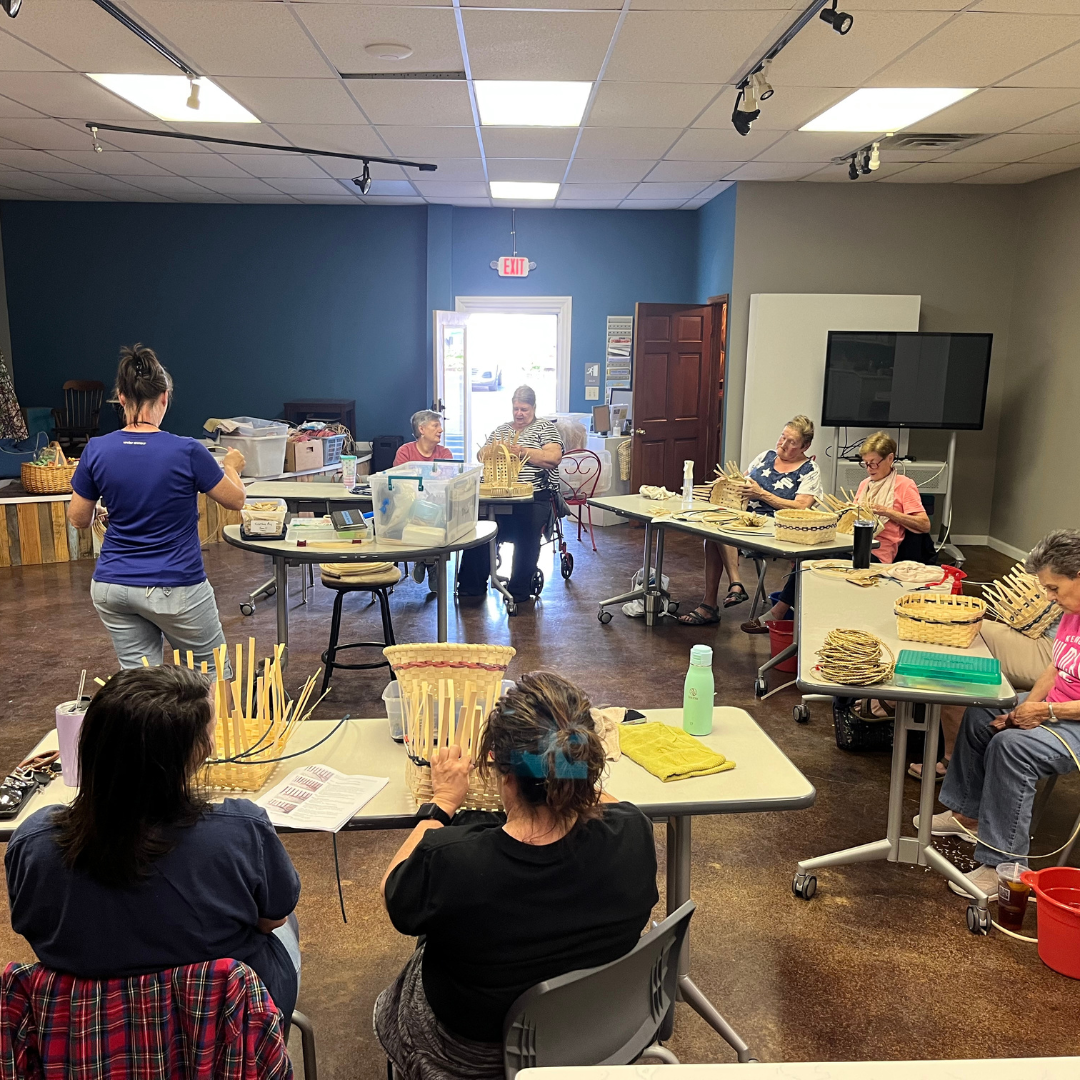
501,916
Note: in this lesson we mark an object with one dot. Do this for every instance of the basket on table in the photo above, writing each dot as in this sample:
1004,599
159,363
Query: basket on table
500,477
1019,601
731,494
939,618
51,474
805,526
447,692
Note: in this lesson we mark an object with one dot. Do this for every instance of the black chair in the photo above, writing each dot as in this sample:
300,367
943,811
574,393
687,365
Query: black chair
383,451
379,586
77,422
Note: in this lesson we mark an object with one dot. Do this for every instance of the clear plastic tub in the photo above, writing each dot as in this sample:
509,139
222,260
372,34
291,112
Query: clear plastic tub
425,505
262,442
264,517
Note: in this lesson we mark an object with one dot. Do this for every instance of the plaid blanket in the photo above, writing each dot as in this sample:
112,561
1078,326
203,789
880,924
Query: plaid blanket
211,1021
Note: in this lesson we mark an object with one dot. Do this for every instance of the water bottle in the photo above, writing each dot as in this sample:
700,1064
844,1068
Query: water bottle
687,485
698,691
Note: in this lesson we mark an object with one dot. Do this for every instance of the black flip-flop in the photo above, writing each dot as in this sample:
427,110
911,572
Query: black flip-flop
692,618
733,598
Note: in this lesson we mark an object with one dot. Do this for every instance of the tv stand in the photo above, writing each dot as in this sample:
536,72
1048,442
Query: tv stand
946,511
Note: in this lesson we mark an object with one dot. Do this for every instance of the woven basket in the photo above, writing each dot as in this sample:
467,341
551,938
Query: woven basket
460,683
1018,601
500,477
624,452
939,618
729,493
805,526
49,479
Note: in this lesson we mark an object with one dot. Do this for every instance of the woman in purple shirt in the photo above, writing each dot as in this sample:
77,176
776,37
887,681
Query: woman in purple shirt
149,581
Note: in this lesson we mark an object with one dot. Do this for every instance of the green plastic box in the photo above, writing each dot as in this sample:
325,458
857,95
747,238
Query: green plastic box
948,668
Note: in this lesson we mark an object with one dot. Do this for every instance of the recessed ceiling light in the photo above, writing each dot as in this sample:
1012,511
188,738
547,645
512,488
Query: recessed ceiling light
515,189
885,109
388,51
532,104
167,97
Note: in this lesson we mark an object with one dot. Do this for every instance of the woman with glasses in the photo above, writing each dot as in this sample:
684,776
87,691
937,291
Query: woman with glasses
894,500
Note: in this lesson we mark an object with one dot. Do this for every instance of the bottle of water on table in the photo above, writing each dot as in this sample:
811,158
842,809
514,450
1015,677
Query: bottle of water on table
698,692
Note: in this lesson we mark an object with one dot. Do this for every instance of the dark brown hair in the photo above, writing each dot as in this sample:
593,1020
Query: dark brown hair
144,737
542,732
141,379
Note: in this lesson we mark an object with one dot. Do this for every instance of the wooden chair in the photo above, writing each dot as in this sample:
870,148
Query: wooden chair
77,422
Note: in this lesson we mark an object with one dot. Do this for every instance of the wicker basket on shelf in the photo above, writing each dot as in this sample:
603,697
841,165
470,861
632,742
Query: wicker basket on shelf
51,477
447,692
1018,600
805,526
500,476
939,618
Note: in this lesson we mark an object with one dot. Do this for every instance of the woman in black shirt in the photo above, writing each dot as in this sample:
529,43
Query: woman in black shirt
564,879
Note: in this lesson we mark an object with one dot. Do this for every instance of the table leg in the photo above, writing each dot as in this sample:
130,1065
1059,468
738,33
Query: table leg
678,892
441,589
634,594
497,582
281,575
759,592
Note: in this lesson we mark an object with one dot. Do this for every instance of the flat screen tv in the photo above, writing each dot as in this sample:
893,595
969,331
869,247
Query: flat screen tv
906,379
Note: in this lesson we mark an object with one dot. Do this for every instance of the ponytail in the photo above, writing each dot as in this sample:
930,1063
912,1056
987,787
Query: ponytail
140,379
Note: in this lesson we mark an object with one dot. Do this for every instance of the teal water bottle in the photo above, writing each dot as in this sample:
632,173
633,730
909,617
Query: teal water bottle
698,691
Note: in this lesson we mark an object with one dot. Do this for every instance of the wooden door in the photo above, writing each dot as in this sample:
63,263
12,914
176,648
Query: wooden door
676,404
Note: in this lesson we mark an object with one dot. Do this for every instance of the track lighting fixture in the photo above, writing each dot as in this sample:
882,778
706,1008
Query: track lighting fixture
864,162
11,6
760,83
853,169
746,110
840,21
874,160
363,181
193,97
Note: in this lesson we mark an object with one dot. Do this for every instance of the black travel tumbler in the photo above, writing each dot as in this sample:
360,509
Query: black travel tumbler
864,539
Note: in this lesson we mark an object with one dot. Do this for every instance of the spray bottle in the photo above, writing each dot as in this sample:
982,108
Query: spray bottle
698,692
687,484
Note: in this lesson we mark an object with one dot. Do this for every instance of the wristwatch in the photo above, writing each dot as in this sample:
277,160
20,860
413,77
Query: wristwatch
1050,709
431,811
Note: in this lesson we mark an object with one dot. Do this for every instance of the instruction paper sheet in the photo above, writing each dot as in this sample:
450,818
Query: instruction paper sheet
318,797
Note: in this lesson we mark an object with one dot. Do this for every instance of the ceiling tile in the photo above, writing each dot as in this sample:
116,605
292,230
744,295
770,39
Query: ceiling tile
40,185
300,187
237,187
522,142
997,109
295,101
14,109
715,189
430,103
635,104
243,132
719,144
83,37
78,137
1061,69
1031,7
978,48
537,44
835,174
425,143
681,192
790,107
43,134
573,204
111,162
194,165
626,142
1021,173
687,46
207,33
690,170
17,56
347,138
395,188
103,185
38,161
905,5
454,169
66,94
1069,155
609,170
345,169
1064,122
774,170
1005,148
171,185
715,5
937,172
459,202
541,169
819,146
342,31
560,5
395,200
295,165
593,192
654,204
451,189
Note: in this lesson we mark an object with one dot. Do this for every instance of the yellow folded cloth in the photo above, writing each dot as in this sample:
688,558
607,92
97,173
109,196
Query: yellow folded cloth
355,570
669,752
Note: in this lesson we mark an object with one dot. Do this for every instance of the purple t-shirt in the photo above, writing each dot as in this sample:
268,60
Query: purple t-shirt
149,483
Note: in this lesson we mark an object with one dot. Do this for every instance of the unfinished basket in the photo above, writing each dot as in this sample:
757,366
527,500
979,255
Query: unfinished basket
1019,601
500,476
447,692
51,478
729,493
939,618
805,526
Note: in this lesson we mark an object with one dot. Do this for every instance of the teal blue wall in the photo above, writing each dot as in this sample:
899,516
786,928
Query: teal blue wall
716,245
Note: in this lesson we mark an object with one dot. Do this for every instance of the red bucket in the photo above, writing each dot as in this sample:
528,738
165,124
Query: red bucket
1057,889
781,635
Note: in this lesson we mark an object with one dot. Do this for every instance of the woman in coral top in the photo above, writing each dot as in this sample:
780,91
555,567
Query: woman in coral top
893,498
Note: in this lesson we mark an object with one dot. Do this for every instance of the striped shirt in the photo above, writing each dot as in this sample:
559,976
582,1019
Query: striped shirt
538,434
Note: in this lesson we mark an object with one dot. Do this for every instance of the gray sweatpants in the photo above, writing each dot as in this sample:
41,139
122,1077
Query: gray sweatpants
138,618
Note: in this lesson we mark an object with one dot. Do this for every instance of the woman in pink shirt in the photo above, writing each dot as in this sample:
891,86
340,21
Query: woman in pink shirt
427,427
893,498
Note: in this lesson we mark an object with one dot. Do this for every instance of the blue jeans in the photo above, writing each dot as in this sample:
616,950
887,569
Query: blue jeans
138,618
289,936
992,776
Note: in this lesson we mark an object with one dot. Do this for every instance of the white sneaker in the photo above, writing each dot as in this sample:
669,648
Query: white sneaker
982,877
945,824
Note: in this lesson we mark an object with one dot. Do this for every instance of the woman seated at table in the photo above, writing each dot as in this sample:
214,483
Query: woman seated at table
427,426
140,873
539,445
1000,756
780,479
564,879
895,501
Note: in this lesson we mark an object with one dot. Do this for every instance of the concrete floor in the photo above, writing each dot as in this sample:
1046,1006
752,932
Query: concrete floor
878,966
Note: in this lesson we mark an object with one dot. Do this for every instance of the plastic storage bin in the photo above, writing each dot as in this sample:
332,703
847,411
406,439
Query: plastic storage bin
422,505
264,517
262,442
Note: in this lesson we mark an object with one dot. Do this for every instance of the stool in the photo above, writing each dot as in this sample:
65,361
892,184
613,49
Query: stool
378,585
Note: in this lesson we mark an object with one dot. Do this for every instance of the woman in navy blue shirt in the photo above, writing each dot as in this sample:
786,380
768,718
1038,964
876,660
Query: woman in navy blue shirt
149,580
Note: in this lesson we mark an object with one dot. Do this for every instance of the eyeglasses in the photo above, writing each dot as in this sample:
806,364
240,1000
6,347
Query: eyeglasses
868,465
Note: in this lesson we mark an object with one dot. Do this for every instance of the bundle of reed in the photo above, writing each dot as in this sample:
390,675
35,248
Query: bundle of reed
447,692
500,476
843,569
847,511
939,618
718,518
855,658
1017,599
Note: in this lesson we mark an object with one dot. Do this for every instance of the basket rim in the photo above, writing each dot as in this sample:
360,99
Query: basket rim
795,516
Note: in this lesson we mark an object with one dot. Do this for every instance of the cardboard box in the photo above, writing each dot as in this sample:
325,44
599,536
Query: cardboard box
300,456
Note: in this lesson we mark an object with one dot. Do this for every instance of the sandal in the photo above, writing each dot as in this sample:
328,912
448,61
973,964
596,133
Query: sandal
915,770
695,618
755,626
734,597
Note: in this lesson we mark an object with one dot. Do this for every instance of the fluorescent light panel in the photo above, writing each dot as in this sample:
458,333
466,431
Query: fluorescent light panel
532,104
528,190
166,97
885,109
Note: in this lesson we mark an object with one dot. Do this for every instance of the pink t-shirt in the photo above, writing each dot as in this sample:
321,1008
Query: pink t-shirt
906,500
411,452
1067,660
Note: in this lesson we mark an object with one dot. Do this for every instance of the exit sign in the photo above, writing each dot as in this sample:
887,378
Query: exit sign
513,266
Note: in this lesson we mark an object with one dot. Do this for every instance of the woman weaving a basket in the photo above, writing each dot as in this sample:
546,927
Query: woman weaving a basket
504,901
895,501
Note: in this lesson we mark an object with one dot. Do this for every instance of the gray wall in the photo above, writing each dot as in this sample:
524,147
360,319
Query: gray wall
952,244
1036,489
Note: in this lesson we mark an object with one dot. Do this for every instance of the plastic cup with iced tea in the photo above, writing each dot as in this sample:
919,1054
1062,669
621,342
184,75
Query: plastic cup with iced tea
1012,896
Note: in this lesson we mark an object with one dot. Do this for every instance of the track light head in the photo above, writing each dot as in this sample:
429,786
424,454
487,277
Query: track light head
745,112
874,160
852,169
363,181
760,83
193,98
840,21
12,7
864,162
